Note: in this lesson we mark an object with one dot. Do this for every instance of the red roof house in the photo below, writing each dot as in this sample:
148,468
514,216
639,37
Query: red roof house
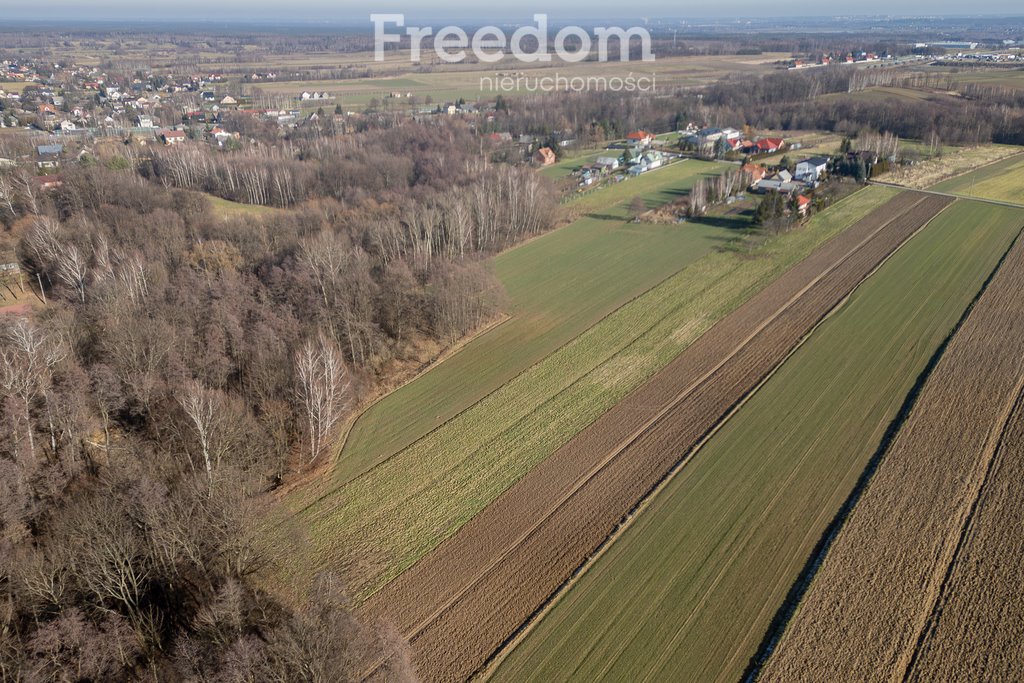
770,145
641,136
803,203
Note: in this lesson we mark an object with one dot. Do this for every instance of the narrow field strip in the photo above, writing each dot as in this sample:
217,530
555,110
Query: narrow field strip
581,492
870,601
976,626
376,526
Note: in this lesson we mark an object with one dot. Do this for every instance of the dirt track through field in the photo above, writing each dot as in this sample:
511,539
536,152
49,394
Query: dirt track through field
923,567
462,601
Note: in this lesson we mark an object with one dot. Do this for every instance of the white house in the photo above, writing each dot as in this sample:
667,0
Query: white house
811,169
611,163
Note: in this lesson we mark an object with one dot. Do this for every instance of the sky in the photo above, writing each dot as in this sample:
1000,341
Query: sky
356,12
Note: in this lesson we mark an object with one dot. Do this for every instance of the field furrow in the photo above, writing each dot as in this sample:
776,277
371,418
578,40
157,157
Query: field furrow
462,601
871,601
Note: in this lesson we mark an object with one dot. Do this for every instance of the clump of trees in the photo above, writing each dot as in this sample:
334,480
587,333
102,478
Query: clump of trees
775,213
708,192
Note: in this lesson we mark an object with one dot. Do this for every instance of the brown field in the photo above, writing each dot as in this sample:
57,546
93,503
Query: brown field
978,622
461,602
923,580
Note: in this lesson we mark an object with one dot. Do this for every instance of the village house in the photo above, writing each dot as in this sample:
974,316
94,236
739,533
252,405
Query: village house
803,203
49,155
173,137
812,168
221,136
640,137
610,163
646,162
48,182
767,146
545,156
756,172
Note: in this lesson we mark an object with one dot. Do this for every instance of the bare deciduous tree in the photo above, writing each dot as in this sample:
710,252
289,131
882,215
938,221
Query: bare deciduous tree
27,359
323,390
198,403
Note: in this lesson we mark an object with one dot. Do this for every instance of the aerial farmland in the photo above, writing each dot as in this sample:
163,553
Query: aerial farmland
336,347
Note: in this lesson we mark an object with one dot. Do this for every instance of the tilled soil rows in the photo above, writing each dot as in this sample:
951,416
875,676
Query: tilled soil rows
923,581
462,601
979,620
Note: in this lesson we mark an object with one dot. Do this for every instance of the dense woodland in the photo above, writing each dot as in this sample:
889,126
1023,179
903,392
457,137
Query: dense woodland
186,363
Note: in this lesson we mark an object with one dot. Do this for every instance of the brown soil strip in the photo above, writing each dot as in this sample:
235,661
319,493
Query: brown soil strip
977,626
462,601
881,591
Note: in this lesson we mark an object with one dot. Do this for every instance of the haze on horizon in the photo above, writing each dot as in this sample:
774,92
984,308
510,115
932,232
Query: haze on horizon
350,12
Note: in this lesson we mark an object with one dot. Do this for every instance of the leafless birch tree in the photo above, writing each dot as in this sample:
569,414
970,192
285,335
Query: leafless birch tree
323,390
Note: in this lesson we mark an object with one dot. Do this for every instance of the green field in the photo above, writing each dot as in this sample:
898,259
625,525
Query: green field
558,285
687,592
224,208
1002,181
376,525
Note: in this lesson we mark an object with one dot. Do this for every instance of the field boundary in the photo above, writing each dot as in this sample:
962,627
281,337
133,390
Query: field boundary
632,300
483,398
996,202
310,477
593,476
1008,157
648,499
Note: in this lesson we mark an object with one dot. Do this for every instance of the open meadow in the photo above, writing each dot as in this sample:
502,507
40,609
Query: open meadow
687,591
474,81
952,163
